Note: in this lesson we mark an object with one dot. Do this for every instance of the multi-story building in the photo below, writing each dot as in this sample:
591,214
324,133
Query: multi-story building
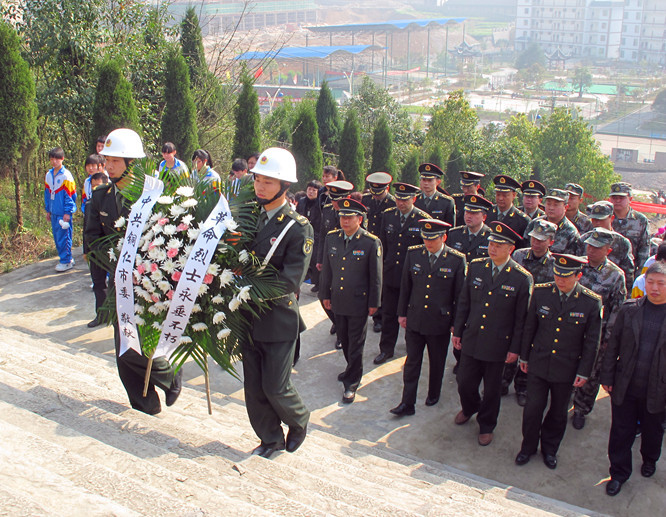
644,31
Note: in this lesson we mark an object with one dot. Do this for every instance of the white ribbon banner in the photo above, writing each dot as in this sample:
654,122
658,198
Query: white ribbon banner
191,279
129,335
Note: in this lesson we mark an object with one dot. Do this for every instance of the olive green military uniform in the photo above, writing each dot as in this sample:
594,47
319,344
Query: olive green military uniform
537,213
375,210
459,201
514,219
102,212
541,268
351,278
567,238
560,342
472,246
440,206
270,396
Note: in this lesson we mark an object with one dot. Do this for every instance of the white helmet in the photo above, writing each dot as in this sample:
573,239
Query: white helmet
278,163
123,143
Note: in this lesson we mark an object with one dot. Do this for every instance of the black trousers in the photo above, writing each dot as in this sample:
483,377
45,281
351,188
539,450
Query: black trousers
515,374
132,370
270,397
351,332
328,312
549,430
390,325
625,418
470,374
98,275
438,346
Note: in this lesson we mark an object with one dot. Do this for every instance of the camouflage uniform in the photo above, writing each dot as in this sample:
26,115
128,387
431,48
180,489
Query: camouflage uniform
607,280
635,228
540,268
620,256
567,238
582,223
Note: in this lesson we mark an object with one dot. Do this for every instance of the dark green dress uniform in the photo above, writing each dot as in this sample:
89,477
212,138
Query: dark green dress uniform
270,397
103,210
459,202
472,246
428,296
396,238
537,213
560,342
489,320
351,278
440,206
467,179
514,219
533,188
375,209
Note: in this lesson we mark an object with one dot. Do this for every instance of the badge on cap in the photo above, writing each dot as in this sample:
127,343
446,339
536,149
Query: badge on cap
346,204
563,260
531,184
108,142
498,228
264,159
427,168
502,180
428,226
472,199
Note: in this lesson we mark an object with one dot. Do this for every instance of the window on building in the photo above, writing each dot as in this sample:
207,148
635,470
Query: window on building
602,38
633,55
603,25
527,10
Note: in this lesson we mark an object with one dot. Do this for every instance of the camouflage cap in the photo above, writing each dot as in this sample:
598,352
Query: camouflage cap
620,189
599,238
574,188
600,210
543,230
567,265
558,195
433,228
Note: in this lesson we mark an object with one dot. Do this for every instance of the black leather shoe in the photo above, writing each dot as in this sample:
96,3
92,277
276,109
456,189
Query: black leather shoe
403,410
266,451
315,289
348,396
174,391
613,487
522,458
382,358
578,420
550,461
338,344
648,469
332,331
521,398
377,327
295,437
94,323
431,401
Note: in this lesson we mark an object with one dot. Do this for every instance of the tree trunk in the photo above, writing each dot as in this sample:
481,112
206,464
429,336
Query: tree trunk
17,193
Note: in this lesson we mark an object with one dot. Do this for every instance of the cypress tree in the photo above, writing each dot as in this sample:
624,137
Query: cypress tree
328,119
247,139
114,104
351,160
179,120
192,45
382,147
305,145
436,156
410,169
18,110
455,164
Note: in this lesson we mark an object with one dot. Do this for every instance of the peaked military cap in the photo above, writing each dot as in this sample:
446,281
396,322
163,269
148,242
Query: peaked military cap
600,210
504,183
339,189
378,181
533,187
502,234
470,178
567,265
475,203
574,188
620,189
350,206
543,230
481,191
600,237
558,195
430,170
433,228
405,190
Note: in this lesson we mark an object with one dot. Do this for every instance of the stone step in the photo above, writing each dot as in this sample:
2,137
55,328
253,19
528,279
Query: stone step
349,463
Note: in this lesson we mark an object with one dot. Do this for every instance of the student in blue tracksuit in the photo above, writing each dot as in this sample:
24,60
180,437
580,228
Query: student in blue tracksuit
60,204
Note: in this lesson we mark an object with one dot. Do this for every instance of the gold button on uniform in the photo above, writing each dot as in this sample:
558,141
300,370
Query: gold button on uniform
427,287
556,341
426,296
425,306
557,330
483,315
487,304
559,319
482,327
553,351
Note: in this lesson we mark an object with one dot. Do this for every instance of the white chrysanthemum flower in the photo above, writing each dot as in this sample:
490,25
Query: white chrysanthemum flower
154,309
157,325
188,249
169,229
139,320
169,266
196,308
185,340
226,277
138,309
213,269
148,236
243,256
163,286
120,222
193,233
146,296
244,294
223,334
182,260
112,255
199,327
230,224
156,217
119,244
164,200
234,304
176,210
156,275
138,291
217,299
157,242
154,253
174,243
189,203
147,284
161,255
203,289
187,219
219,317
185,191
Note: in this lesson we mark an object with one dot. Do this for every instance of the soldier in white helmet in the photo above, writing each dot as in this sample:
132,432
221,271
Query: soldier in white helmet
121,147
287,238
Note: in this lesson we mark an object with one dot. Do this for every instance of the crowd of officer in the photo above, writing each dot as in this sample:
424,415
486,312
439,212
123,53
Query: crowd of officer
525,295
